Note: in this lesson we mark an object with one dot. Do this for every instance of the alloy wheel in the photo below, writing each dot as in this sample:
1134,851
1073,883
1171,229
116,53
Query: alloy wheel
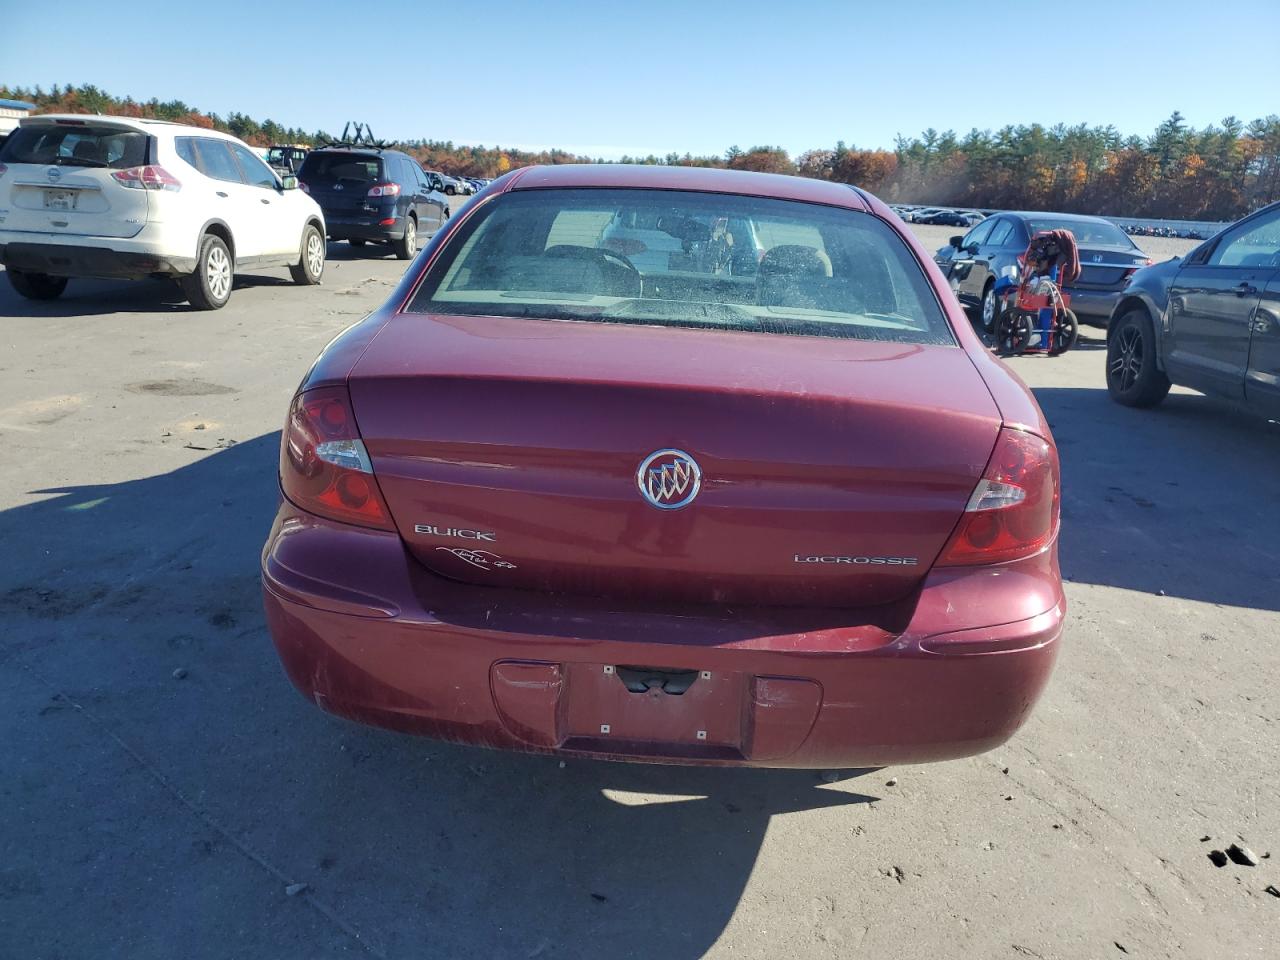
217,272
988,309
411,236
315,254
1126,364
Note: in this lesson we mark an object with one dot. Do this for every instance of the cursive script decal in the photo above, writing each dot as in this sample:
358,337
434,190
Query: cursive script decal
482,559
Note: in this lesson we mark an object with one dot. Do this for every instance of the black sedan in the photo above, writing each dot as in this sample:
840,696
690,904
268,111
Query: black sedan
1210,321
1108,258
953,218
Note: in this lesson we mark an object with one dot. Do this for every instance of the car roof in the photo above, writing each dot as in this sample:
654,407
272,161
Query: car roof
701,179
1066,217
358,148
143,124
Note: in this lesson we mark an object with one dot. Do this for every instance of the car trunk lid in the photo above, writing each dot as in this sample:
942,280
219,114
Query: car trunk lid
1105,265
57,183
833,471
339,182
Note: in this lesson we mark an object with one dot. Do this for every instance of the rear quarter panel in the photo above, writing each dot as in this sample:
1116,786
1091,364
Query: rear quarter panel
1017,405
339,357
182,216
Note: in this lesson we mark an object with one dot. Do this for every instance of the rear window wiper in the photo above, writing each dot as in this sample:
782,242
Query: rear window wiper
78,162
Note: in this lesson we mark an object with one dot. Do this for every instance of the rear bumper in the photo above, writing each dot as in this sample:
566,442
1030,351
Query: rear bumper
1094,306
93,257
367,633
363,228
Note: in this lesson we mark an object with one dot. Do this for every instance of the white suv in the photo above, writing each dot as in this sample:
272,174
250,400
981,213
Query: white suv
93,196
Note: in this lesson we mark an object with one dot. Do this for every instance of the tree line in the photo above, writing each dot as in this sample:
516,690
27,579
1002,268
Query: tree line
1220,172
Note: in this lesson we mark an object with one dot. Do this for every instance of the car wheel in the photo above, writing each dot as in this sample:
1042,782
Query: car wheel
450,191
36,286
209,288
407,245
310,267
990,308
1133,378
355,242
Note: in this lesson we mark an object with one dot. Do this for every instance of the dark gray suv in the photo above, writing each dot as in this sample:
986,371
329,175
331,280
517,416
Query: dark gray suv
1210,321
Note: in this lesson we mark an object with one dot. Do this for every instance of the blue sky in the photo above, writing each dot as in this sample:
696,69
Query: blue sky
609,78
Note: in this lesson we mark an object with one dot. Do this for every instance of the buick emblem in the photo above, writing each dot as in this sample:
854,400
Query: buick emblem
338,186
54,174
669,479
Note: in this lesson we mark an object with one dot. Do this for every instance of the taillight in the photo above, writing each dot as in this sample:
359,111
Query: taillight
151,177
385,190
1013,511
324,468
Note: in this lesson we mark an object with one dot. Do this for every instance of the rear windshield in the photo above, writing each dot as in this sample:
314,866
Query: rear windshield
683,259
76,146
356,167
1086,231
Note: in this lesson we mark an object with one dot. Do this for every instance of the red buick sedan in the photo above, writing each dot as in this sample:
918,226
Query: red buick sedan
668,464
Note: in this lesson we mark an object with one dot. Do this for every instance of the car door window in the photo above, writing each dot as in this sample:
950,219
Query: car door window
256,172
1252,244
1000,233
215,160
977,235
405,174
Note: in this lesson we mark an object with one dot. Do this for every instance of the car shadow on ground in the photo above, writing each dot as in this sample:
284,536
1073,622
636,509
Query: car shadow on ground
340,251
91,298
96,297
1179,499
213,787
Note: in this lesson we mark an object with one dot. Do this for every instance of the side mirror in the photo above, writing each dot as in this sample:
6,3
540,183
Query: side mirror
288,182
956,242
973,248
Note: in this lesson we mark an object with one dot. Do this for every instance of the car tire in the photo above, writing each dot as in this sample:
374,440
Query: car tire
356,242
310,266
36,286
450,191
407,245
989,307
1133,378
209,288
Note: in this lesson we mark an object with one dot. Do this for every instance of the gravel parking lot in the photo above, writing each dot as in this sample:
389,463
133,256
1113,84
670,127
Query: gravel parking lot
163,789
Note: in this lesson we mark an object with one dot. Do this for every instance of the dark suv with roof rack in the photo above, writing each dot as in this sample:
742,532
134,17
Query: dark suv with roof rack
370,194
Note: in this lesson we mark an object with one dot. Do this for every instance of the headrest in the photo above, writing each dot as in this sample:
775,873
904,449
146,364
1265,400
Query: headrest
795,260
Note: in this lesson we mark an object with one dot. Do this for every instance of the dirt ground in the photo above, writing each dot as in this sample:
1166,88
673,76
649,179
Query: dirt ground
161,784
